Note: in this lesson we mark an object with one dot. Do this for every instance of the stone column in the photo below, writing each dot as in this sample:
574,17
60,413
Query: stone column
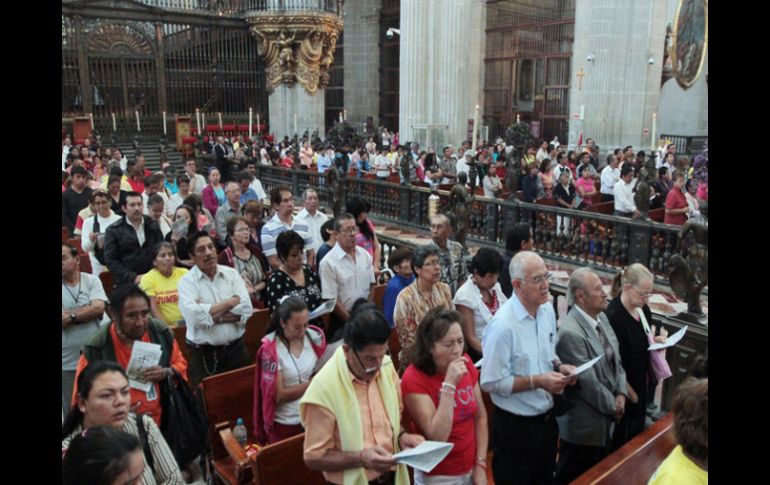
620,89
362,61
86,92
298,49
441,67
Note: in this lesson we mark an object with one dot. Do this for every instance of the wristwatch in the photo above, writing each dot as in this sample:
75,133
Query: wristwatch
73,317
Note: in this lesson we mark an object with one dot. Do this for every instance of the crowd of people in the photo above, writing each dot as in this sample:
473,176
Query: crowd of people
195,251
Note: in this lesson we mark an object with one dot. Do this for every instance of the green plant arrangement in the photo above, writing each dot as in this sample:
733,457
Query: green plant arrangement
343,134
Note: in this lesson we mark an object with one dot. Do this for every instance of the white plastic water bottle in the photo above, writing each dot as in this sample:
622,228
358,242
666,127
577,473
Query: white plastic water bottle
240,433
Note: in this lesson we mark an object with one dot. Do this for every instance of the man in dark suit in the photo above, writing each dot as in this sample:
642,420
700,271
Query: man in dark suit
598,400
222,162
129,242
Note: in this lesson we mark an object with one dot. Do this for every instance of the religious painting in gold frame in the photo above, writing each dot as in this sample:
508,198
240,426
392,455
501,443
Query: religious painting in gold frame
690,40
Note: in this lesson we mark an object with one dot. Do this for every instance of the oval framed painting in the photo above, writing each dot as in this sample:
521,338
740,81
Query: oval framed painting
690,40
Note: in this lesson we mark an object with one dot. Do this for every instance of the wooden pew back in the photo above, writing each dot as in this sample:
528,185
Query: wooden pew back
256,326
602,208
281,463
227,397
637,460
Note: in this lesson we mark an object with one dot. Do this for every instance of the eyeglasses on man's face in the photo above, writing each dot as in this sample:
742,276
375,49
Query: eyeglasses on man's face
538,279
374,363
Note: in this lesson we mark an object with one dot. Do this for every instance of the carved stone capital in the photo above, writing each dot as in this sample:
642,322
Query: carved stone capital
296,47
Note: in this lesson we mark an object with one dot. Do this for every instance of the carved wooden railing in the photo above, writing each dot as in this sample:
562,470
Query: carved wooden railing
572,236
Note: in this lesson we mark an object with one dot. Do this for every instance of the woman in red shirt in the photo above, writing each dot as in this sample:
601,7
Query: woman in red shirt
676,203
442,395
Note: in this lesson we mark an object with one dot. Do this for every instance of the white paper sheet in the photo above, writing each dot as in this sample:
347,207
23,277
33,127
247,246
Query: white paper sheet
425,456
479,362
671,341
586,366
328,353
323,309
143,356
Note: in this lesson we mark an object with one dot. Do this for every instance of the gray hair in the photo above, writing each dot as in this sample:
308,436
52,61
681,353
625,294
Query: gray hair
306,192
576,282
519,261
342,217
421,253
444,221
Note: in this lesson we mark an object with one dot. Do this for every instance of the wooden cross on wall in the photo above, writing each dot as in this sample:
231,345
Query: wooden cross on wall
580,74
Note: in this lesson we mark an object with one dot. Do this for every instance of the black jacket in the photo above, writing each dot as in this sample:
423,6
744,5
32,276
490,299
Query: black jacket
122,253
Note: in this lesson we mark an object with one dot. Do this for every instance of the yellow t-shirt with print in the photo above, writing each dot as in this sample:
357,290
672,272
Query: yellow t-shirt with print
165,292
678,469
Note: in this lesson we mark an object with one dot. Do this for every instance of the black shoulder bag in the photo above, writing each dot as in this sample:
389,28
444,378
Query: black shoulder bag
183,422
98,252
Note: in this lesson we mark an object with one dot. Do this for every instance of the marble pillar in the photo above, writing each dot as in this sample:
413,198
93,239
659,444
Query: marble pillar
621,86
441,68
285,102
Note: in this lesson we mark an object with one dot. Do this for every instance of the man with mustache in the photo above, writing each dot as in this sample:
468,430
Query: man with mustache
215,306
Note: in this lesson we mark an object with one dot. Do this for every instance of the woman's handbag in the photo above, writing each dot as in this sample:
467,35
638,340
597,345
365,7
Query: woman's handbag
183,422
658,361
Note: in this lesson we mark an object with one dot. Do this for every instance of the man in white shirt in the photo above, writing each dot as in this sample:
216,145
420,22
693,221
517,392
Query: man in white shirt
312,217
346,271
463,163
610,176
623,193
542,152
183,183
282,201
215,306
561,165
255,184
197,182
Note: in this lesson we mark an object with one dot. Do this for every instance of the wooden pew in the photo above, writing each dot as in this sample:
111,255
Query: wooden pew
281,463
256,326
602,208
378,294
227,397
637,460
65,234
106,278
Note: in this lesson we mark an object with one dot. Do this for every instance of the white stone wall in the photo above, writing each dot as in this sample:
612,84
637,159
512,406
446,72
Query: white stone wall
362,60
620,89
441,67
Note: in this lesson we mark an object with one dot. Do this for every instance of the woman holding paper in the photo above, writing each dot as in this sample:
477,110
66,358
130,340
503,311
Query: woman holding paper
629,314
286,360
293,277
441,393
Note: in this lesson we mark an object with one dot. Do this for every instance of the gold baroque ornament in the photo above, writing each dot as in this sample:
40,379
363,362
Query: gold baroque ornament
296,48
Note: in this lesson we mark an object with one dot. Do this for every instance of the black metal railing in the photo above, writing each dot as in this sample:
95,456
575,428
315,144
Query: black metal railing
688,145
575,237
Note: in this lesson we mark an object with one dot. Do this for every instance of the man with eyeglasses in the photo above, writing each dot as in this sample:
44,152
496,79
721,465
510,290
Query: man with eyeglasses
228,210
346,271
585,430
522,373
351,410
215,305
132,323
452,255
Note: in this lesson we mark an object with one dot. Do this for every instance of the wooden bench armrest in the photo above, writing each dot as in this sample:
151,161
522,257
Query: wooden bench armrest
244,467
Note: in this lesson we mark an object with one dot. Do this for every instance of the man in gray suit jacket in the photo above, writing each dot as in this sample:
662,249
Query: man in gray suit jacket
599,398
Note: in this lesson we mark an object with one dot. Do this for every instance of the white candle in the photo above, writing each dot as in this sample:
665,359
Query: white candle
258,129
475,127
518,118
138,127
198,118
340,116
164,122
204,121
91,115
114,125
295,124
345,114
654,123
220,120
250,120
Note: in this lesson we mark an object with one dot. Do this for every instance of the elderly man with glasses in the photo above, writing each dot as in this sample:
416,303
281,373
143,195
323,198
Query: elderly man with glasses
351,410
522,373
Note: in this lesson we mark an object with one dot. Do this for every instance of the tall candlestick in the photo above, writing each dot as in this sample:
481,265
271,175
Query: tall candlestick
295,124
654,123
204,121
220,120
138,127
114,124
164,123
198,119
250,120
340,116
518,118
91,115
475,127
258,129
345,114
